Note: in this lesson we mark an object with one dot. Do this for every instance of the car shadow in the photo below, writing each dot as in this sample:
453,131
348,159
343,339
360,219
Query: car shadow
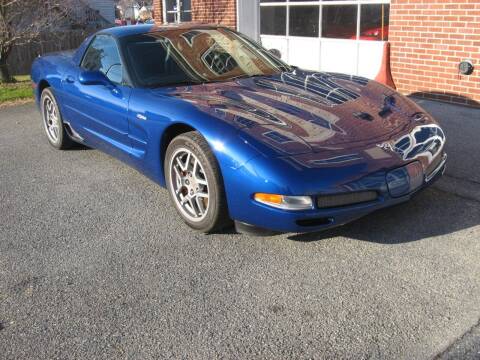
78,147
445,97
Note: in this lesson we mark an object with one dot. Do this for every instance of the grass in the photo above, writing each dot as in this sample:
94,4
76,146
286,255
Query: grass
22,89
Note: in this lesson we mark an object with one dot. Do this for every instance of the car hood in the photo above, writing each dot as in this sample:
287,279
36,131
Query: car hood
303,112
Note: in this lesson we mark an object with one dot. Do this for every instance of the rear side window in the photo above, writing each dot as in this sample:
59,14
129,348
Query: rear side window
102,55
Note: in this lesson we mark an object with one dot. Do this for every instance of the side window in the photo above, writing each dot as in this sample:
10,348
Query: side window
102,55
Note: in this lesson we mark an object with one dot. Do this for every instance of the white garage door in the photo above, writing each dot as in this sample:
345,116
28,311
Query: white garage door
342,36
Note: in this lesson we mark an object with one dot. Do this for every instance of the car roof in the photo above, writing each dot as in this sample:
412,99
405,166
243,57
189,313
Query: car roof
122,31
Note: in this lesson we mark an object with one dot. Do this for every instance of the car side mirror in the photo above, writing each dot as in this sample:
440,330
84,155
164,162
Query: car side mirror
93,78
276,53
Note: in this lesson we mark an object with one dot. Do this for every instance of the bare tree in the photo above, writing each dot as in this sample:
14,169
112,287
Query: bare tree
22,21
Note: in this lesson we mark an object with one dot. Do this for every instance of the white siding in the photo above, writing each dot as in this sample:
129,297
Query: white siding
248,18
105,7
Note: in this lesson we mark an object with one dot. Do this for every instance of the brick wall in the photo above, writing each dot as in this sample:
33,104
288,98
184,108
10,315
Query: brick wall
207,11
428,40
157,11
215,11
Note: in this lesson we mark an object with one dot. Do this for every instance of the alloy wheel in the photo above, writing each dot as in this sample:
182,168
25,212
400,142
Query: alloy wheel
51,119
189,184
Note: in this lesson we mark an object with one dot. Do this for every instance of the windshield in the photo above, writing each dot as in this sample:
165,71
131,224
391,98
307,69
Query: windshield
195,56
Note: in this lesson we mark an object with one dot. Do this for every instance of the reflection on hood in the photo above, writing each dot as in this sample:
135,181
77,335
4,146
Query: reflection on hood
316,86
300,112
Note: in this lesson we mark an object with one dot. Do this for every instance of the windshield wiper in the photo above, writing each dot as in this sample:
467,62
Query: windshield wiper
183,83
176,83
245,76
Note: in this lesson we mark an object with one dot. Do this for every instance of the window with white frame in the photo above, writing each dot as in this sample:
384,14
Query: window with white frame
337,19
176,11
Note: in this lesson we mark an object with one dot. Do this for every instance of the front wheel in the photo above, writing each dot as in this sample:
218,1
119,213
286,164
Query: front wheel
195,183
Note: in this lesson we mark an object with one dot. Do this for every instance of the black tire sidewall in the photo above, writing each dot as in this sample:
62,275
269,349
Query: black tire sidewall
210,220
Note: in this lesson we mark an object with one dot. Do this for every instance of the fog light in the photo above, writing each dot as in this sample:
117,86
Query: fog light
285,202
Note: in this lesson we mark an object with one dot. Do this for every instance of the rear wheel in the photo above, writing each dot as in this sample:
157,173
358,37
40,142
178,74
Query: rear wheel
52,121
195,183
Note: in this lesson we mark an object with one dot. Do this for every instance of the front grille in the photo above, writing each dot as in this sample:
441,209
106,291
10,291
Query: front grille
345,199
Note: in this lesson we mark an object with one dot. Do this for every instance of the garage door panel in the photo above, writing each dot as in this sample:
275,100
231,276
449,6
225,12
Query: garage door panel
304,53
338,56
337,36
369,58
275,42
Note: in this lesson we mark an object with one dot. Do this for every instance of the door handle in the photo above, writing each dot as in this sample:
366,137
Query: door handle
69,79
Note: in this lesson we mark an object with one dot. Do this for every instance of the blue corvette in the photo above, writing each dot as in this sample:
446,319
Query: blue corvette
234,133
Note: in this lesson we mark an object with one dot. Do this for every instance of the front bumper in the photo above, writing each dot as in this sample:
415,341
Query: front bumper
268,218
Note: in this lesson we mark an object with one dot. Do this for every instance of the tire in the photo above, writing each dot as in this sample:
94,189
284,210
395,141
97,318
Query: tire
193,177
53,122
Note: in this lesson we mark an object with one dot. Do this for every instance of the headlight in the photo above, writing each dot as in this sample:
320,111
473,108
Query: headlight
285,202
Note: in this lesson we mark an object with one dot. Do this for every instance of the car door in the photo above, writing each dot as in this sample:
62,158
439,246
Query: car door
99,113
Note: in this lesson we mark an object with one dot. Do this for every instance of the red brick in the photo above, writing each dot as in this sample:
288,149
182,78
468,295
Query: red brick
207,11
428,39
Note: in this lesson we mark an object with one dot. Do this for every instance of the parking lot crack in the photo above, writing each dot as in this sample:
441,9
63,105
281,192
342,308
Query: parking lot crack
462,179
466,346
461,196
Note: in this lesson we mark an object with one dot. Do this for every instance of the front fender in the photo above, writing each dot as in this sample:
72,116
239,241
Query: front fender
151,115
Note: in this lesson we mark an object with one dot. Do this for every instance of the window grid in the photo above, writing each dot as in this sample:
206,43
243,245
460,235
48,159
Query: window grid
176,13
321,3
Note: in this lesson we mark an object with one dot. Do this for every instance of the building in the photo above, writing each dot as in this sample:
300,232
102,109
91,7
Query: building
105,8
428,38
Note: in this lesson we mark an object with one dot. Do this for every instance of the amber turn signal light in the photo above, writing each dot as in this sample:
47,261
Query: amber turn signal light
284,201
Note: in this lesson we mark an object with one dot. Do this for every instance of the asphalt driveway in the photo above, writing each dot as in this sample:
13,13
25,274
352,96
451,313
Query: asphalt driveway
94,263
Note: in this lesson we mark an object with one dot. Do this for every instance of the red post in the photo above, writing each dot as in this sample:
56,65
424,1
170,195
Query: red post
385,74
